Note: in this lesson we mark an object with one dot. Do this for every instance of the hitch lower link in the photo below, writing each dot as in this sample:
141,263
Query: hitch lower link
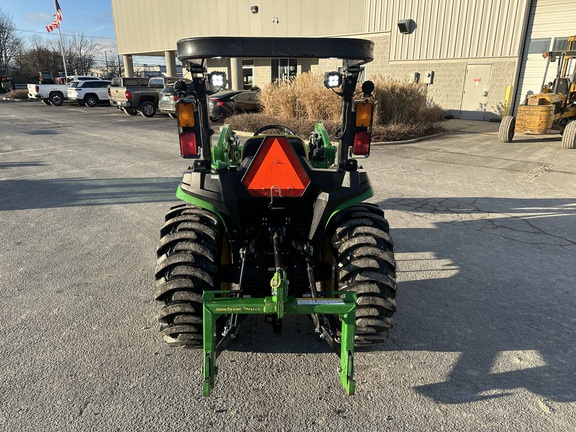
279,303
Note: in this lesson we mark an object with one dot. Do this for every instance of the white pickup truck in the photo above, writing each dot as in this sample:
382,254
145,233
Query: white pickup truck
54,94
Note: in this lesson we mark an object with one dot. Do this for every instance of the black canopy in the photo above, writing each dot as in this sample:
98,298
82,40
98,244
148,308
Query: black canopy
358,50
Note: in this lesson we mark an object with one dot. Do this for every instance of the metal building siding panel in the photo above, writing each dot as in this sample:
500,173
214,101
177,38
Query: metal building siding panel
376,15
457,28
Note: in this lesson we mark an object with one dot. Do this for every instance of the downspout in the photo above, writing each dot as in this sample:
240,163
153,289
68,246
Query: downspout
522,52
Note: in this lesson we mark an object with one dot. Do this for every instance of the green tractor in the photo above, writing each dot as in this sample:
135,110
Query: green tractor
274,225
5,81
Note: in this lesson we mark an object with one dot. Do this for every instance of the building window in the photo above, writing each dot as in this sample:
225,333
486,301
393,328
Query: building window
538,46
560,44
248,74
283,69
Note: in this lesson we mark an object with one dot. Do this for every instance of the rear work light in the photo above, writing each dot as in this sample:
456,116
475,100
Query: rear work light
185,113
188,145
332,80
276,171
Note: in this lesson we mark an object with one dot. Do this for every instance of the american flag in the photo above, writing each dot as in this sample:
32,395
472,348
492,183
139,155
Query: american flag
57,19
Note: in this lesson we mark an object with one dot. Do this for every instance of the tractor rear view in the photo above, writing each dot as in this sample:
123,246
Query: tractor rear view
275,225
552,109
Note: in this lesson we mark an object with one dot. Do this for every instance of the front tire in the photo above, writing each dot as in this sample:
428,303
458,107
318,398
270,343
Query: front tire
569,136
364,263
188,262
506,130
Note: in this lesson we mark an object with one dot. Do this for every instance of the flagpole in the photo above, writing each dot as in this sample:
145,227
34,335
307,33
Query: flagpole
61,45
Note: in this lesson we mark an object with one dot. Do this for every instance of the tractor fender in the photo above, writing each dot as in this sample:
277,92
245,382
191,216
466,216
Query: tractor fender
328,204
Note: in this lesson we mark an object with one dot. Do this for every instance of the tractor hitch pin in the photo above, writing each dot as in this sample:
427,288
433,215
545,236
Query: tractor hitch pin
272,195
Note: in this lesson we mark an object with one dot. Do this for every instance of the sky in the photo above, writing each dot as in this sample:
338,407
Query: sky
93,18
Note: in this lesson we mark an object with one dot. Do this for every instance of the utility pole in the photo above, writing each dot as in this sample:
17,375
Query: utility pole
107,70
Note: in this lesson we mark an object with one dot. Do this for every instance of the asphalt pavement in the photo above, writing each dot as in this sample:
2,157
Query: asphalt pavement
484,336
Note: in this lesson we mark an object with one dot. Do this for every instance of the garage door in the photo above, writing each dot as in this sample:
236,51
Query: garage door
550,24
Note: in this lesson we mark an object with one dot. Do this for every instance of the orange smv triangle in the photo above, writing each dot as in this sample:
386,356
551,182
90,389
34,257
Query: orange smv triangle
276,171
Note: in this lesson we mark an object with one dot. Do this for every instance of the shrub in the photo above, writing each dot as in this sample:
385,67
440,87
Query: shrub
303,97
402,109
17,94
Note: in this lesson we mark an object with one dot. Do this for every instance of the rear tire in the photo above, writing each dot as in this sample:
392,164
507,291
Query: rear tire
56,99
569,136
364,262
188,262
147,109
506,131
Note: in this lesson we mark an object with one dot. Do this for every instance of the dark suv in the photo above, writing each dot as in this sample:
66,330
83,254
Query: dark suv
229,102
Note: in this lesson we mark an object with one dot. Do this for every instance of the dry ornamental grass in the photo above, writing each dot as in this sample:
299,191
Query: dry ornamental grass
402,109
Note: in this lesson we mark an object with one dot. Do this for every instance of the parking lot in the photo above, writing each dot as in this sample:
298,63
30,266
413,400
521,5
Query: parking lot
484,336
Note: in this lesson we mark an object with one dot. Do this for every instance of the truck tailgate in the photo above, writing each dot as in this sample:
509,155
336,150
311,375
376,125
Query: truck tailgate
117,93
32,91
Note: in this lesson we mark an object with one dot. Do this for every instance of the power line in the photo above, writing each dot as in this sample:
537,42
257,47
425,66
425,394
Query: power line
63,34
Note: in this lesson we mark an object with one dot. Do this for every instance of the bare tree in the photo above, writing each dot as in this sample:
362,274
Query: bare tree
80,52
38,57
11,43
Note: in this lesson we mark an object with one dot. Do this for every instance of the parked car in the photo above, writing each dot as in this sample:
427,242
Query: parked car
229,102
167,101
91,93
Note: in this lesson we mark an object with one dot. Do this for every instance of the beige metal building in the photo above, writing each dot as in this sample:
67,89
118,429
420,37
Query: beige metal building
468,52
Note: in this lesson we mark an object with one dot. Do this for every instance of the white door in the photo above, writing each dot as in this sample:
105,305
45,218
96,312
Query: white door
476,90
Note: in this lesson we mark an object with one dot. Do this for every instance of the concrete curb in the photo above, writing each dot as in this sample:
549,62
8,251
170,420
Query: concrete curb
413,140
17,100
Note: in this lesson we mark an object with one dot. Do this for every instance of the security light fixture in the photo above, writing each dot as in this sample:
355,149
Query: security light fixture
406,26
254,9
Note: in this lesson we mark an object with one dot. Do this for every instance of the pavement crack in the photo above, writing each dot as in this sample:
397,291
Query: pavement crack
468,213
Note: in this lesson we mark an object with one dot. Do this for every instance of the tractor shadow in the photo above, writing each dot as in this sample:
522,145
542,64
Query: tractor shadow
25,194
491,280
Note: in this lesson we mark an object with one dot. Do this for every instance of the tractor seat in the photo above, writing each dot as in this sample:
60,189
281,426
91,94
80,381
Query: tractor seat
561,85
252,145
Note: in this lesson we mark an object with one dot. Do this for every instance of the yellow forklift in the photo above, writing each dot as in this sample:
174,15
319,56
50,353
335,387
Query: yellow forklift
552,109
